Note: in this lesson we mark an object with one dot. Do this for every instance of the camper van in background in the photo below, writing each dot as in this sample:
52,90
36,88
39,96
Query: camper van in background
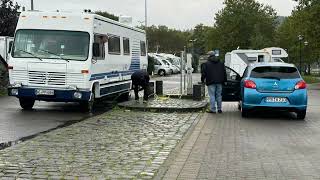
68,57
238,60
5,46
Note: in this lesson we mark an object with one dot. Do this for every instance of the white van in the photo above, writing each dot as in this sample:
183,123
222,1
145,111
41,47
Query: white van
66,57
238,60
5,45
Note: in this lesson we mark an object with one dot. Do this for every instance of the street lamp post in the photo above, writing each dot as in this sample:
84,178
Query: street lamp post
32,8
300,37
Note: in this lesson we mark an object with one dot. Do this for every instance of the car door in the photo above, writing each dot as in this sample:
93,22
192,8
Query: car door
231,89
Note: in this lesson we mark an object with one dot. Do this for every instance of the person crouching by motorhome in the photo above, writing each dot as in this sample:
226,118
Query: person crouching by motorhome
213,73
140,81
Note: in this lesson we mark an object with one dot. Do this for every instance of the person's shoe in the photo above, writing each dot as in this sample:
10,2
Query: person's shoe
220,112
211,112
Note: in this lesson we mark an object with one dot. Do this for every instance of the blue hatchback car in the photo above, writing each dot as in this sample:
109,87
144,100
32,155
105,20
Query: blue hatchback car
276,86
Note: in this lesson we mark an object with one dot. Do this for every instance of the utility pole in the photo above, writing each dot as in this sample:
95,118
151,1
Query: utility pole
32,7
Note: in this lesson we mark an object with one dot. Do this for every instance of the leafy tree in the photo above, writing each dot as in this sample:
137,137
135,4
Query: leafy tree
107,15
245,24
8,17
166,40
303,21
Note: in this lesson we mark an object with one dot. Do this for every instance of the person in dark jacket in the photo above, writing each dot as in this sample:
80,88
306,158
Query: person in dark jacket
213,73
140,79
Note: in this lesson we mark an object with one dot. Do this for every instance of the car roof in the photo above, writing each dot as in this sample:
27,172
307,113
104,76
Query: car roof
272,64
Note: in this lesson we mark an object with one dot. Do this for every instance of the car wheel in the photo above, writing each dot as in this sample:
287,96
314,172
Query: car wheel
239,106
244,113
26,104
301,115
88,106
162,73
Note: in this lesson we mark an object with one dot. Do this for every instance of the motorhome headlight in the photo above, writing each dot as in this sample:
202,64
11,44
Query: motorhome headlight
77,95
14,92
17,85
73,87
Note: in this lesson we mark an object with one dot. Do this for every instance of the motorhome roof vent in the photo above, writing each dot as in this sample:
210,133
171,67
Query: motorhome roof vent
127,20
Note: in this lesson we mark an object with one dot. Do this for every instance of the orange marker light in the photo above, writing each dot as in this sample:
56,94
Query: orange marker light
85,71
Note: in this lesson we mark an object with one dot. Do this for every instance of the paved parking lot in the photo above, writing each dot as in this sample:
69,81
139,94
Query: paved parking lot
116,145
269,145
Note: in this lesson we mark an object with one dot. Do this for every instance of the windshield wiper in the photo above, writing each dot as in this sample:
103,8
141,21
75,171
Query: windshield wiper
29,54
60,57
271,77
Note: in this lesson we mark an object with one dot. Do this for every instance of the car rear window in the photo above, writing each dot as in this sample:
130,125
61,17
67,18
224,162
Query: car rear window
275,72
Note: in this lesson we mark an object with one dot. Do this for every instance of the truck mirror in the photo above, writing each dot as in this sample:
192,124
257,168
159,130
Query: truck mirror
10,47
96,50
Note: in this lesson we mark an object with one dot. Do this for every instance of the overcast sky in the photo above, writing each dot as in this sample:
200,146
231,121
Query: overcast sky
179,14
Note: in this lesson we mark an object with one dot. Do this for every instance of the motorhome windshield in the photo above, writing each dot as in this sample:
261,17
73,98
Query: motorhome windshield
50,44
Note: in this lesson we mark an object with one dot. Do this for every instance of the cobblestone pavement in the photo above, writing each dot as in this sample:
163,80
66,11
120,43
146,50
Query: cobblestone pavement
166,104
266,146
117,145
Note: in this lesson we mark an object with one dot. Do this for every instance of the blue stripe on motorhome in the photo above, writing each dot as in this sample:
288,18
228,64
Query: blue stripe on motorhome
135,65
115,89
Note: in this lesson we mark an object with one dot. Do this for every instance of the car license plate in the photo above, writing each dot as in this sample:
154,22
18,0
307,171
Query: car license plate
44,92
276,100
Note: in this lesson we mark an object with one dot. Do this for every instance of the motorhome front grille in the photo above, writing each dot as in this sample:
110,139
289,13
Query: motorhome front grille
47,78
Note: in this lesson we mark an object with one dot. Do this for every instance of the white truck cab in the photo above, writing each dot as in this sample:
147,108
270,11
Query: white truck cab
5,46
67,57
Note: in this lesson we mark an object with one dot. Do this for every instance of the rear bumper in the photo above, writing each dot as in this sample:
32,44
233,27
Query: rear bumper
59,95
297,100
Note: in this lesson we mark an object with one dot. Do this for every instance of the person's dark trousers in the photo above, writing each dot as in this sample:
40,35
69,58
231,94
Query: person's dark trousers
136,92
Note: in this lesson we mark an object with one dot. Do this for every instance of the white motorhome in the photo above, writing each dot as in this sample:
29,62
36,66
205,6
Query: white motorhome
67,57
5,45
238,60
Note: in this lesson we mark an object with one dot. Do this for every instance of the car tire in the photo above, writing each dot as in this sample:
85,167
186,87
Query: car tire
239,106
162,72
244,113
88,106
26,104
301,115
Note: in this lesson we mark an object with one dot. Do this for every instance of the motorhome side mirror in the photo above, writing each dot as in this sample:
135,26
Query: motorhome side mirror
96,50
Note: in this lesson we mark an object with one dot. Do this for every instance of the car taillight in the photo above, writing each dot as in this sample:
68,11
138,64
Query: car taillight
250,84
301,85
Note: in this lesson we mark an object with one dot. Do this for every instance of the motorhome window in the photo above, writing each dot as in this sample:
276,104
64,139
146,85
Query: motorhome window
101,40
252,58
276,52
114,45
51,44
126,46
143,48
275,72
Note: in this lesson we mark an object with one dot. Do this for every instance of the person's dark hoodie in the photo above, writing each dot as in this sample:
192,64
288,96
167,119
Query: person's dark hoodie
213,71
